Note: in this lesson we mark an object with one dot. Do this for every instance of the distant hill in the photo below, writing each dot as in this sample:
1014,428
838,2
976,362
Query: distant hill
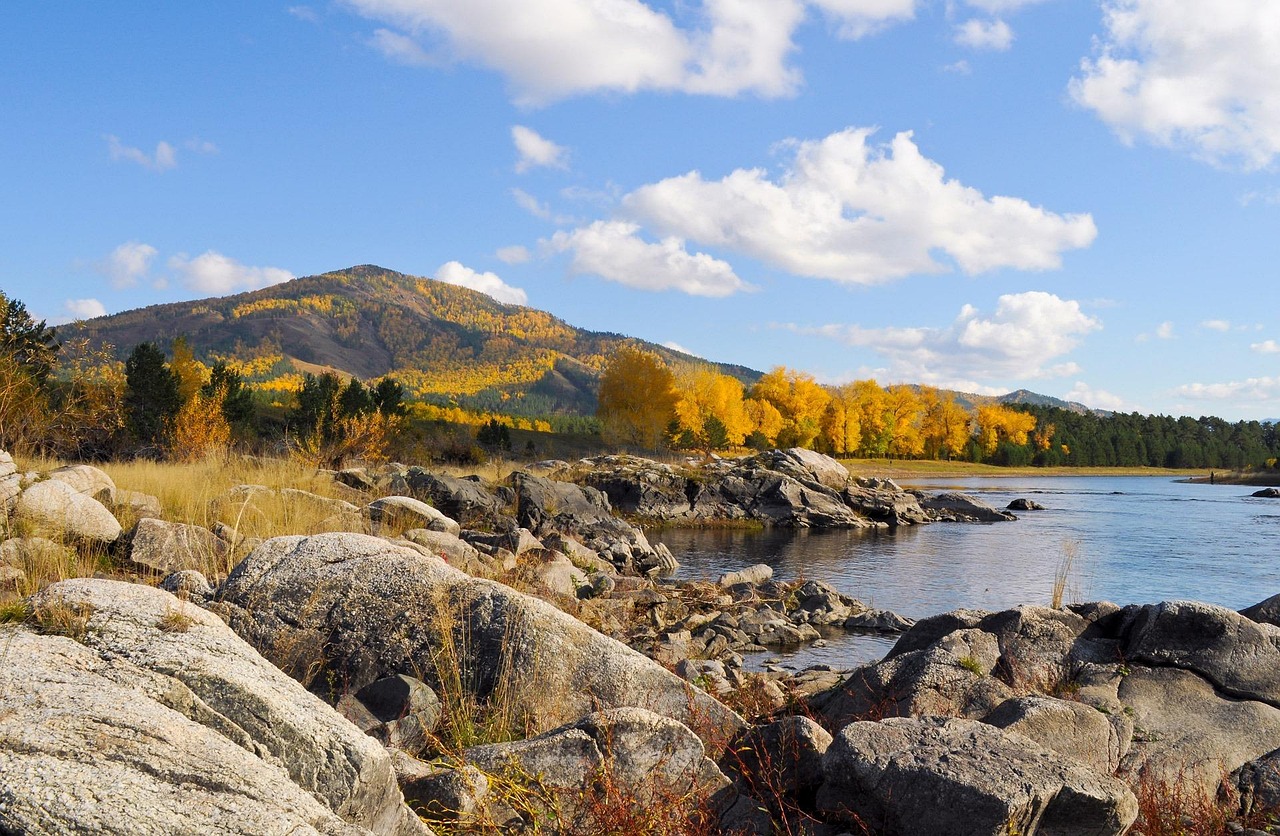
1027,397
445,343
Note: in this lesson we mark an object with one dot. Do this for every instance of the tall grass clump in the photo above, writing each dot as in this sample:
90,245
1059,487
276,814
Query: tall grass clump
1063,574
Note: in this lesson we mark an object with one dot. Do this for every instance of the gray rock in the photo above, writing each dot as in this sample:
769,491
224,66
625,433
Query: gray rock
1025,505
137,505
757,574
87,480
1258,783
168,547
808,465
407,512
57,508
887,504
464,500
1267,493
1237,654
961,507
782,757
904,776
189,585
1078,731
407,711
447,795
319,604
23,552
881,621
457,552
10,490
926,631
1264,612
190,730
7,467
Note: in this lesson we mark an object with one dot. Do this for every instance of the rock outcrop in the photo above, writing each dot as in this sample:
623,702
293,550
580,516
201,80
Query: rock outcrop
135,713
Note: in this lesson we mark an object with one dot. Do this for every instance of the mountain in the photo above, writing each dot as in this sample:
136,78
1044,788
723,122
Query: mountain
443,342
1025,396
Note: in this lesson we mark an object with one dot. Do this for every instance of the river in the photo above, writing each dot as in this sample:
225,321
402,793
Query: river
1135,539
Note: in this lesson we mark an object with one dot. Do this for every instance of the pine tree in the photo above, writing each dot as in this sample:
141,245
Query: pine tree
151,397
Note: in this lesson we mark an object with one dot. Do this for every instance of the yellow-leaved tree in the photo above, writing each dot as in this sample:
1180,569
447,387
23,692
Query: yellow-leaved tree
710,409
799,399
997,423
903,409
945,425
200,429
872,406
637,398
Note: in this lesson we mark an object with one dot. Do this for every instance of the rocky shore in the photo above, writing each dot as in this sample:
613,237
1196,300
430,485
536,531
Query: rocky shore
461,657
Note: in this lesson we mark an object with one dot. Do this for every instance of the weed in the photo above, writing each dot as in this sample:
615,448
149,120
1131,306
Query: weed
62,618
972,664
175,621
1070,551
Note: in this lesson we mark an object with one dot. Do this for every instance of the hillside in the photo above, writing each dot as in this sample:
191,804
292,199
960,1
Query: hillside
445,343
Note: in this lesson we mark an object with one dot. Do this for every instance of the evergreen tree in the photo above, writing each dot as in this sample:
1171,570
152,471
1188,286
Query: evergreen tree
317,400
354,400
31,345
237,399
151,397
388,397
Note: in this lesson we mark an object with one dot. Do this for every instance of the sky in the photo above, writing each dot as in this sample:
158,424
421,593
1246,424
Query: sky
1076,198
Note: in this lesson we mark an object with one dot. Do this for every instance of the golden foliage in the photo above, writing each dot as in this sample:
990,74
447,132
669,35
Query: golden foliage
199,429
945,425
703,393
765,418
998,423
799,400
637,398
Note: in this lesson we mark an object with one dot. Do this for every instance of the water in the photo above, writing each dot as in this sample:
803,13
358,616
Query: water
1135,540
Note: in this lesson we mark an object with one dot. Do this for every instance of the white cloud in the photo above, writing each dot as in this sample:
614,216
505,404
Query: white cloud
201,146
127,264
960,67
1198,76
164,158
453,272
1265,347
216,274
996,7
537,208
400,49
675,346
515,254
614,250
1165,330
536,151
304,13
860,214
1020,341
550,49
84,308
985,34
1252,389
1216,325
1083,393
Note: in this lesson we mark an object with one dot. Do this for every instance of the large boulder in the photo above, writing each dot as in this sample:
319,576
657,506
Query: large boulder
806,466
319,605
963,778
465,500
961,507
168,547
58,509
150,716
88,480
1264,612
406,512
1074,729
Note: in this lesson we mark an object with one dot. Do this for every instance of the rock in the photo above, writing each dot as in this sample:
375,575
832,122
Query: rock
10,490
464,500
57,508
447,794
355,477
20,553
907,776
320,604
1239,656
1024,505
807,465
87,480
1264,612
137,505
1267,493
926,631
1187,735
169,547
887,503
1078,731
7,467
638,757
951,678
757,574
406,709
962,507
881,621
188,585
457,552
407,512
1258,783
782,757
190,730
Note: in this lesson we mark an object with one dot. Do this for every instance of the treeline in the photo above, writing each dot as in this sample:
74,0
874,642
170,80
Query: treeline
646,404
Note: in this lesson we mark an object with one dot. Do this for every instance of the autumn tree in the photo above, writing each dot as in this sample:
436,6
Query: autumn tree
189,371
998,423
200,428
842,421
799,399
876,430
709,410
637,398
766,423
902,414
236,399
945,425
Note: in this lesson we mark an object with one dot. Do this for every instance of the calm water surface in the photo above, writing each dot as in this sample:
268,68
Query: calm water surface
1135,540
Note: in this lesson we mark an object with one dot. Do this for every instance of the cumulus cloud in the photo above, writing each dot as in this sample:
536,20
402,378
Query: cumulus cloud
164,158
1216,325
515,254
614,250
536,151
858,213
1093,398
1165,330
985,34
675,346
1251,389
201,146
1020,341
538,208
127,264
304,13
550,49
84,308
400,49
1195,76
216,274
996,7
1265,347
491,284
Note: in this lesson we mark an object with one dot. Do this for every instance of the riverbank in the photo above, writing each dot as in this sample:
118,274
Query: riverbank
906,469
1266,479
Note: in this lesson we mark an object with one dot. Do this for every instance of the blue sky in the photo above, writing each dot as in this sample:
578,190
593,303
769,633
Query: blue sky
1076,198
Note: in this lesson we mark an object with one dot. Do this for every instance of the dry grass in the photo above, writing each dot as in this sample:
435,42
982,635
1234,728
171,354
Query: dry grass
1173,808
1070,550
